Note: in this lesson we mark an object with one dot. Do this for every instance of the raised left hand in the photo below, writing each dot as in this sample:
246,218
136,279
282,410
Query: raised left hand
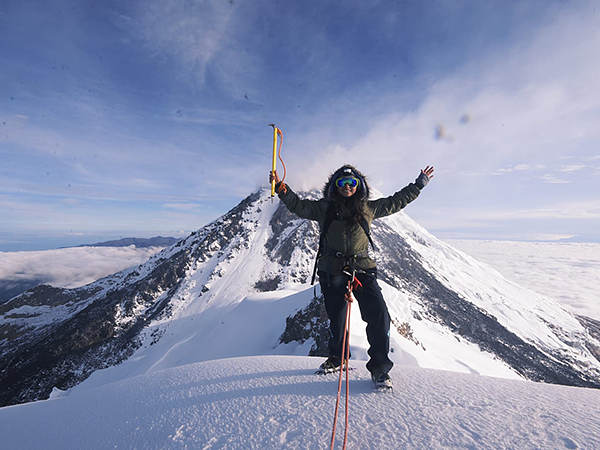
428,171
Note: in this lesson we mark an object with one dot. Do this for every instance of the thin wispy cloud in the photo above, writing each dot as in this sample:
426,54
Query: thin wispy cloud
525,104
552,179
575,210
138,105
572,168
519,168
196,36
182,206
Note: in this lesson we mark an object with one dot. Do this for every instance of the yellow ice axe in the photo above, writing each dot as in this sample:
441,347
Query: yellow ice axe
276,131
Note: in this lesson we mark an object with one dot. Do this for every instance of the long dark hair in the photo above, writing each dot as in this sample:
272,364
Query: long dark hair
352,207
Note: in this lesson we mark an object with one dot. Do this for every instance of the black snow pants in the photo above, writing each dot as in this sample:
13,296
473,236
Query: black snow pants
373,311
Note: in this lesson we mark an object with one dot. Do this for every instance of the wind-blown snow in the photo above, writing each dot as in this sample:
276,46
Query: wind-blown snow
277,402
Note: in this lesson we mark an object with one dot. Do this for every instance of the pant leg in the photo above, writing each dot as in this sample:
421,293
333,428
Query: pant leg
374,312
334,290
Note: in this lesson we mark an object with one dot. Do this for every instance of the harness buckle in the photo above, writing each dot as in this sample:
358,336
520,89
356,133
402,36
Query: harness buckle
347,270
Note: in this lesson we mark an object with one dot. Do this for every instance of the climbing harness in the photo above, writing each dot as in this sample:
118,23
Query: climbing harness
276,133
353,283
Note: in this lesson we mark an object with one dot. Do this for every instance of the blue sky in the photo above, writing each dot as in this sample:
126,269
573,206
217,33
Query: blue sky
140,118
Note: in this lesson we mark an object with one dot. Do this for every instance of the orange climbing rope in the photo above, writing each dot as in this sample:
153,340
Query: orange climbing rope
276,133
352,283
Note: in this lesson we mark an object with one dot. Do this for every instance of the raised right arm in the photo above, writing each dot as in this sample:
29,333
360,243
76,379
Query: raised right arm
307,209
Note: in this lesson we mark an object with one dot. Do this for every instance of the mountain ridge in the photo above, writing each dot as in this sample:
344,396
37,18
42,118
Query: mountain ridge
260,249
156,241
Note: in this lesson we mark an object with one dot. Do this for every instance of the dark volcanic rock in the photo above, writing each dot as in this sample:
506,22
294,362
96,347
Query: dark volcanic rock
66,353
310,322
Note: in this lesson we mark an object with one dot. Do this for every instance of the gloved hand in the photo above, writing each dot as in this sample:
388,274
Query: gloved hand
424,177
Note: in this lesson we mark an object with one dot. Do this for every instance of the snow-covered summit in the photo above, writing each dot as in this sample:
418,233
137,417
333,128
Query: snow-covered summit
240,287
276,402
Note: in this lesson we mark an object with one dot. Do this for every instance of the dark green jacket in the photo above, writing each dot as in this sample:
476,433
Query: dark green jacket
347,239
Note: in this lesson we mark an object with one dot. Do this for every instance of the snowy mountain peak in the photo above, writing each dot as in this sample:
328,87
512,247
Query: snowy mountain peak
239,286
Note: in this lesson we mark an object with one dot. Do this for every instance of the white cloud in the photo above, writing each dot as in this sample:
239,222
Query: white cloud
525,103
566,272
572,168
519,168
515,110
571,211
70,267
552,179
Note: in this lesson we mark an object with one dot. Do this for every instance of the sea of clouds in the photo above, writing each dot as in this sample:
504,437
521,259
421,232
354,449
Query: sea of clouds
565,272
66,267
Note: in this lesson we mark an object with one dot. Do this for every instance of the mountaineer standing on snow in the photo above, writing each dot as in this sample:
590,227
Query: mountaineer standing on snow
345,214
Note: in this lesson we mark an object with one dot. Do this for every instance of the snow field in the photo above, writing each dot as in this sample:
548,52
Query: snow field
253,328
277,402
203,384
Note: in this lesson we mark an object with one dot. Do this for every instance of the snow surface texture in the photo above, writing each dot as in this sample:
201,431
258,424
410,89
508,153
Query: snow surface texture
565,272
272,402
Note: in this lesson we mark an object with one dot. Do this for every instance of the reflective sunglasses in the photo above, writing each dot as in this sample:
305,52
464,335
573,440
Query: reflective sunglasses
350,181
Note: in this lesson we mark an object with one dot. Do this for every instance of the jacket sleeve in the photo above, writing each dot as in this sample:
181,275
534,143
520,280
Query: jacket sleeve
307,209
386,206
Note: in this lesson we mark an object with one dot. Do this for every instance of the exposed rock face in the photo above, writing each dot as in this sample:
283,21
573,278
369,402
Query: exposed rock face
12,288
309,324
52,337
593,328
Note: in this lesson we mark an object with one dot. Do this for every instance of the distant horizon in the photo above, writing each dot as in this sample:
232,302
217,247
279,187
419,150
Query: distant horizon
59,242
68,241
80,239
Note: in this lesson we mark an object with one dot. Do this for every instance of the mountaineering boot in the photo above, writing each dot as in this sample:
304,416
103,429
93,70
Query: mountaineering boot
382,381
330,365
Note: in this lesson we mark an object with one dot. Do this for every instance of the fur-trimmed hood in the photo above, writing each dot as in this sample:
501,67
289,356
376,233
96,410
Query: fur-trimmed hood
363,187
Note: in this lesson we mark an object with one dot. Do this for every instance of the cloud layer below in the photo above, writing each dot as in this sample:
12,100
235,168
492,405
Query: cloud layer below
70,267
